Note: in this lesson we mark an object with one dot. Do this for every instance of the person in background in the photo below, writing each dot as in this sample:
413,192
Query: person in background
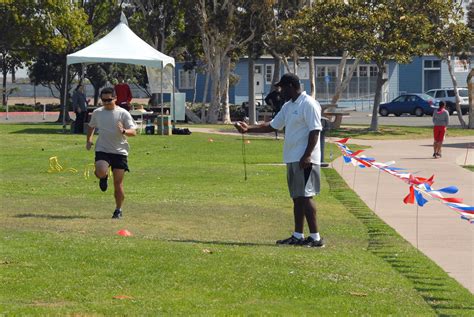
275,100
79,106
123,93
441,122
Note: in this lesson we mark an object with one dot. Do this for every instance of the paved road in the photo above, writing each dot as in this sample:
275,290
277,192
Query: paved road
356,117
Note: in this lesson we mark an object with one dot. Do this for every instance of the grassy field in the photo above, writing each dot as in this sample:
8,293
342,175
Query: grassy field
469,167
203,237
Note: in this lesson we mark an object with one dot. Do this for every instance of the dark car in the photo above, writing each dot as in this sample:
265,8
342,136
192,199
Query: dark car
417,104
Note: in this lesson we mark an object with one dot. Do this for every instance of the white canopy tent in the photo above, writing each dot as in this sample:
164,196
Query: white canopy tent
121,45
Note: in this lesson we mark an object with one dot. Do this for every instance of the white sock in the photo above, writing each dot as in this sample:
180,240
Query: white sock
298,235
315,236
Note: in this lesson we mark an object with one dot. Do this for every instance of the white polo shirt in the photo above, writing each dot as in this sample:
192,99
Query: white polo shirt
299,118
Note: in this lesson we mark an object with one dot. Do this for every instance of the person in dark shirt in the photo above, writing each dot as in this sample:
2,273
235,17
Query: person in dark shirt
79,106
275,100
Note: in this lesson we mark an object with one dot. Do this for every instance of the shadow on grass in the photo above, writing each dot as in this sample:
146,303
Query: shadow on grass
42,128
437,289
224,243
43,216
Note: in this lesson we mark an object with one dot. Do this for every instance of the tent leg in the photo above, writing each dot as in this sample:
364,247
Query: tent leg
174,102
161,97
65,98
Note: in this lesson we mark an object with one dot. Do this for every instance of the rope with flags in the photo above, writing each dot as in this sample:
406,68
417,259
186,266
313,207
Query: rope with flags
419,186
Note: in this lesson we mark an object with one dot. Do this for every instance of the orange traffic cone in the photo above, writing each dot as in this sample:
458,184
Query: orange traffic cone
124,233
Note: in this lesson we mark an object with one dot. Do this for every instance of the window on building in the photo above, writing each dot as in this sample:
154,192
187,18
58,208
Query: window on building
373,70
268,74
186,79
363,71
320,71
332,72
430,64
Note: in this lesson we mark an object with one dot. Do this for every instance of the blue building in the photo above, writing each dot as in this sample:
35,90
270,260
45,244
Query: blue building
422,74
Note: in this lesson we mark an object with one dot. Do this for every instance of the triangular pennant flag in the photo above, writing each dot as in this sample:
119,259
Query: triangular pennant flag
410,198
421,201
343,140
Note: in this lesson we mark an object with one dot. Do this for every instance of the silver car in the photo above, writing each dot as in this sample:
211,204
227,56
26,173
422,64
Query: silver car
447,95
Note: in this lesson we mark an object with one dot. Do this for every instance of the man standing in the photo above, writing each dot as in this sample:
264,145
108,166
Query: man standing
114,124
301,118
123,93
79,106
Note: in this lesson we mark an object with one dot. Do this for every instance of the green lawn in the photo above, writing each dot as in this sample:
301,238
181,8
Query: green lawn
469,167
203,237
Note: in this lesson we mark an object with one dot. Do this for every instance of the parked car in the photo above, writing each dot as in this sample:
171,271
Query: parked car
417,104
447,95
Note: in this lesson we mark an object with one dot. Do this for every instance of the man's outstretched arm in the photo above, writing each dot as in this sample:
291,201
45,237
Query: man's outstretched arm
243,127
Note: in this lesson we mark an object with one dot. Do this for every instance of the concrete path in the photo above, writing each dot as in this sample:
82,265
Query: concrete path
442,235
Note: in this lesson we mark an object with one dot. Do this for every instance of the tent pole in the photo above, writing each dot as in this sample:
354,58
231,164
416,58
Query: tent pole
161,97
174,102
65,98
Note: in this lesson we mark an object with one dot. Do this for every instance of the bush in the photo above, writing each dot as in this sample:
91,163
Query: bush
30,108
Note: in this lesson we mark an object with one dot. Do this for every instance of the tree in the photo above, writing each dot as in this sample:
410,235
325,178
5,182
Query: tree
64,31
343,32
219,24
449,38
399,32
19,28
470,84
157,22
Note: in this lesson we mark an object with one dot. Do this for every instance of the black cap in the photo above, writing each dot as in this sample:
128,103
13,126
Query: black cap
288,79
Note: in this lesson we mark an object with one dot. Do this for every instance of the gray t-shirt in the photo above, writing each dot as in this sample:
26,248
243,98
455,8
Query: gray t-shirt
110,139
441,119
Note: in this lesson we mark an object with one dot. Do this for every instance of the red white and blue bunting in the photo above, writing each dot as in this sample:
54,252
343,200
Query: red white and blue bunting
419,187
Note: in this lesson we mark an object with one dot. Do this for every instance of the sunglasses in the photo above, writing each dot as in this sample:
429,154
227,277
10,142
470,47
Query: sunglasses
107,100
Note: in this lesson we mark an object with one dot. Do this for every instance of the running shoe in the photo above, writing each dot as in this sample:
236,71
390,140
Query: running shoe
117,214
103,183
291,241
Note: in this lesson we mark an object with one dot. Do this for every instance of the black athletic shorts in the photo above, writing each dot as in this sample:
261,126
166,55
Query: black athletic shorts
117,161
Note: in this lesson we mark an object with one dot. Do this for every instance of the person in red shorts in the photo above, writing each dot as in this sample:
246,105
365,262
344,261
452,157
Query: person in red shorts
441,122
123,94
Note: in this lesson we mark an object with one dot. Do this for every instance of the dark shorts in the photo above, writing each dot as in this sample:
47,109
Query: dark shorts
116,161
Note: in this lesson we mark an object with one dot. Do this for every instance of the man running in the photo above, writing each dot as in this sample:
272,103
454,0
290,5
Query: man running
114,125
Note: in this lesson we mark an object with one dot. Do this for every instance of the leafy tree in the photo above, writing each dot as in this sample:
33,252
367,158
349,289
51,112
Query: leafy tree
449,37
65,31
157,22
219,25
399,31
19,31
343,32
470,84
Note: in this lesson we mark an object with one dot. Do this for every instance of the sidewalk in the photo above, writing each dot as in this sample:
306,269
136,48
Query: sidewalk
442,235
